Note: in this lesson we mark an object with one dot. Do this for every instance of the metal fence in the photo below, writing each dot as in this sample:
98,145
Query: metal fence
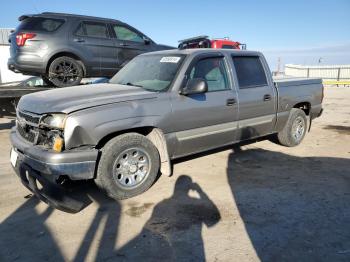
327,73
4,35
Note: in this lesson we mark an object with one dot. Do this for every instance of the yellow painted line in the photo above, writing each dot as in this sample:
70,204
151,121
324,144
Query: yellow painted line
334,82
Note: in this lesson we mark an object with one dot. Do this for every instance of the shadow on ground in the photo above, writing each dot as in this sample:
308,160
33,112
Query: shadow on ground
172,233
293,209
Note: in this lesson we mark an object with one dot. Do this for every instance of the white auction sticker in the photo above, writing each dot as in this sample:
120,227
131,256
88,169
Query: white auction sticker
170,59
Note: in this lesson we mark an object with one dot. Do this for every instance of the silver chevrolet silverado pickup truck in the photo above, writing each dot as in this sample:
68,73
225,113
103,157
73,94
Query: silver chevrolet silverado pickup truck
160,106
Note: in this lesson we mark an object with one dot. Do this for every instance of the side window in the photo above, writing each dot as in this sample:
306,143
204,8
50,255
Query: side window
92,29
126,34
80,30
250,72
213,71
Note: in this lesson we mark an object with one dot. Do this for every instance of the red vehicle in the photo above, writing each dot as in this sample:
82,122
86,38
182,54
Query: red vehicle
204,42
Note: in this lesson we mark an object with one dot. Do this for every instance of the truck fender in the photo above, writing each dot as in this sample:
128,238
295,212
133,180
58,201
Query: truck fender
157,138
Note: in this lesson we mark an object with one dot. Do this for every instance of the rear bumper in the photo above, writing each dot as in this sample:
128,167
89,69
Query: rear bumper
316,111
27,64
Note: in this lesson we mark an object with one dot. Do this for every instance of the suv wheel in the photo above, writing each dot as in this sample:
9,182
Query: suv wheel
129,165
46,81
65,71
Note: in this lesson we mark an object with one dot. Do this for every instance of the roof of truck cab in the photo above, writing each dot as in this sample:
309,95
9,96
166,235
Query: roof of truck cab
204,51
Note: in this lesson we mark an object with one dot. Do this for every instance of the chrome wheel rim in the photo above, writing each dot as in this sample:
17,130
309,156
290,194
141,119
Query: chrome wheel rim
131,167
298,128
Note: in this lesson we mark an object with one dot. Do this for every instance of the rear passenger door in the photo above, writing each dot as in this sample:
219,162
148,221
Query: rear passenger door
97,41
205,121
257,97
129,43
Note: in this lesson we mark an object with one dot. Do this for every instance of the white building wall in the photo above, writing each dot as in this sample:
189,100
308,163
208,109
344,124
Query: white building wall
5,74
331,72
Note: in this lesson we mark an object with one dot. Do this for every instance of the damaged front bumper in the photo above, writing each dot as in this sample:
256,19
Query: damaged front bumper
42,171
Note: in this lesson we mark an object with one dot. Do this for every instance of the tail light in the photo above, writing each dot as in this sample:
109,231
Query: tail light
21,38
322,93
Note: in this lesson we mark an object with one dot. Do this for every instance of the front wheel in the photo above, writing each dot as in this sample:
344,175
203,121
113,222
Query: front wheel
65,71
295,129
129,165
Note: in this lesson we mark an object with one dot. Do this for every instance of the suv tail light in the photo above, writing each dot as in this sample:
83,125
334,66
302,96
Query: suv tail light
21,38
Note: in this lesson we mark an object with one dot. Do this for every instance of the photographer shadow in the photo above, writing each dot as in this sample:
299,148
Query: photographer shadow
174,231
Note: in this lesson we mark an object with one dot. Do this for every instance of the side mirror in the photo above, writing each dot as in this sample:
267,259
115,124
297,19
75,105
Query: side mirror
146,40
195,86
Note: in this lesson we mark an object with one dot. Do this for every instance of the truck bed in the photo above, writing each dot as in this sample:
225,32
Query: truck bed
295,81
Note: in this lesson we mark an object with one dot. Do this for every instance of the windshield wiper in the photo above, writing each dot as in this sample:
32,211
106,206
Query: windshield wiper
131,84
148,89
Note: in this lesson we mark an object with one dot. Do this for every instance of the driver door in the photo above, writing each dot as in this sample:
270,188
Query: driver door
208,120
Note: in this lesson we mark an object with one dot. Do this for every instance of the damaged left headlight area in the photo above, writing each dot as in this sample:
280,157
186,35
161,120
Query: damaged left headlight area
51,131
44,130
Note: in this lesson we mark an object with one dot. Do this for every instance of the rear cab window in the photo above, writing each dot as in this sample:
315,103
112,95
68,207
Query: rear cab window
250,71
40,24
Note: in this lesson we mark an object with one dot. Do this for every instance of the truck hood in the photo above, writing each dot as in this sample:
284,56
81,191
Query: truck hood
70,99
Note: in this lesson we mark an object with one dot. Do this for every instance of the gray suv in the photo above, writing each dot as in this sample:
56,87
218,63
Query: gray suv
64,48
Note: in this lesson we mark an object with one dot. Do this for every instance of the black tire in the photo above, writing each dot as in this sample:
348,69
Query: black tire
108,179
65,71
295,129
46,80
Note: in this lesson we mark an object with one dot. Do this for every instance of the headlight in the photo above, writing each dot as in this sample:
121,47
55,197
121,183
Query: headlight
54,120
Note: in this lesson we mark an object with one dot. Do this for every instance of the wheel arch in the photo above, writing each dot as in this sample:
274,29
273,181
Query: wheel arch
155,135
69,54
305,106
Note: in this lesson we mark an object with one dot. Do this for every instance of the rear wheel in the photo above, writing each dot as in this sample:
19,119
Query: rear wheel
46,80
129,165
65,71
295,129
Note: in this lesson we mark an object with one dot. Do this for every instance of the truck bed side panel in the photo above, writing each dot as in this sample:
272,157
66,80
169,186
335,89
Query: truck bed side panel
293,91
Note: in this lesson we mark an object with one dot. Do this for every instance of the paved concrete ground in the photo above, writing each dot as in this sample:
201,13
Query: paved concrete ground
262,202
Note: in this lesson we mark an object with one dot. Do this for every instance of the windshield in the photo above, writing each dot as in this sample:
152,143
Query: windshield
151,72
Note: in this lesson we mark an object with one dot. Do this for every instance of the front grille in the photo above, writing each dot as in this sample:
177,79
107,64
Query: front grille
29,117
27,126
29,135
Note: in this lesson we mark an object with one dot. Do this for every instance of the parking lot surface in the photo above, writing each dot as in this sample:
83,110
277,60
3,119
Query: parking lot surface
257,202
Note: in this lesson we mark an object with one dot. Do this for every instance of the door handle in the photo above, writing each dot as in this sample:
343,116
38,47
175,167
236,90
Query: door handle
267,97
123,44
230,101
78,40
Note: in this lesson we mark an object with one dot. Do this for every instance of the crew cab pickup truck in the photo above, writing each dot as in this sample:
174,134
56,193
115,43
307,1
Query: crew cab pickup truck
161,106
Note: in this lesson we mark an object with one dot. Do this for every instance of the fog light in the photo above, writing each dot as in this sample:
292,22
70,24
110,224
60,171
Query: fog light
57,144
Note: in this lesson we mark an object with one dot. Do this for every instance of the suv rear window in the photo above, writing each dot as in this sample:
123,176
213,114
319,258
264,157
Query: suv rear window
250,71
41,24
